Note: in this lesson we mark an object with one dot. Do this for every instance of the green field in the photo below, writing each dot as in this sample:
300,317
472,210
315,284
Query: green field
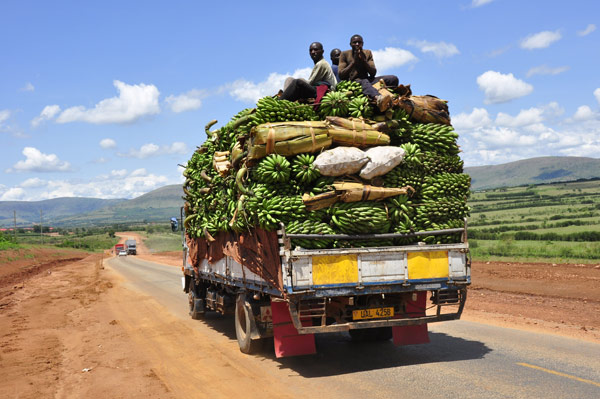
550,222
163,241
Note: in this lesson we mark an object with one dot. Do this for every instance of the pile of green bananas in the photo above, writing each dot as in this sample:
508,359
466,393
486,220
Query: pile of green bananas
446,185
359,107
280,209
304,169
434,163
359,217
349,87
309,226
430,212
274,168
334,103
269,109
435,137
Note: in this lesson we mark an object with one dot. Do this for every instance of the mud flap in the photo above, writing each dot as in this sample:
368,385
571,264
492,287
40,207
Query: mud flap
286,338
412,335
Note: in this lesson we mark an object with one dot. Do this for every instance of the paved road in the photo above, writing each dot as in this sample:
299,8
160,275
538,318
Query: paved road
463,360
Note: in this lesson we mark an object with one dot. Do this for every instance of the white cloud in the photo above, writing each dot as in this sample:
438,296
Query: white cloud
247,91
100,160
118,173
186,102
28,87
546,70
4,115
392,57
479,117
584,113
13,194
479,3
500,88
49,112
36,161
133,103
139,172
597,94
540,40
525,118
33,182
589,29
151,149
108,143
440,50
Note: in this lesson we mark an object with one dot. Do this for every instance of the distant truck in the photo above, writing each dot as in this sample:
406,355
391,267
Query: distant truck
119,248
130,247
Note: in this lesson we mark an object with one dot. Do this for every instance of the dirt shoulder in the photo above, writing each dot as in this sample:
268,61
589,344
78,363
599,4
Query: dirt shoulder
561,299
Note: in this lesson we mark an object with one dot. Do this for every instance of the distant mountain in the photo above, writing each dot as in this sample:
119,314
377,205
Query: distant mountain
533,171
28,212
156,206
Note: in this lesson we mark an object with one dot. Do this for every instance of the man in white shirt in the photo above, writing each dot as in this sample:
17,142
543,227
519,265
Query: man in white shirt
295,89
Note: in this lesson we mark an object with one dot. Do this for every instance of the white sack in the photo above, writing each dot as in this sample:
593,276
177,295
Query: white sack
382,159
341,161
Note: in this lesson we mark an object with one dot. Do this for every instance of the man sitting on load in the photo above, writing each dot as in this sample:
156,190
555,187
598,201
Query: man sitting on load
295,89
358,65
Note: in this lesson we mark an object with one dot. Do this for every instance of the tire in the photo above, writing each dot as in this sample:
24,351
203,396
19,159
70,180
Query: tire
243,327
371,334
196,304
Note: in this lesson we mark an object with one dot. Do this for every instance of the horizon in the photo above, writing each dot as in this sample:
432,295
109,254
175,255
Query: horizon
100,109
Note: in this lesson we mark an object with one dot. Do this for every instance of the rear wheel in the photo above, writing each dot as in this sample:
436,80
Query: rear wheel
244,325
196,304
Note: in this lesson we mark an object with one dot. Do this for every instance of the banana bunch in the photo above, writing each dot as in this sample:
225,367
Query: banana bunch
435,137
401,176
445,238
402,127
400,209
429,213
434,163
412,154
345,86
304,169
269,109
280,209
322,185
359,107
446,185
273,169
359,217
334,103
310,227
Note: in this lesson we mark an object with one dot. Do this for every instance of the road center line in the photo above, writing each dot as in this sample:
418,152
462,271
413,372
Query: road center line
559,373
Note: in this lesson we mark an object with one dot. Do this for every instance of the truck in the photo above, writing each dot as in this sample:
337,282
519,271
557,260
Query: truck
119,248
130,247
290,294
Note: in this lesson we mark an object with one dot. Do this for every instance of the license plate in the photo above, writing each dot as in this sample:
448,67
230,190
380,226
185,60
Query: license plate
374,313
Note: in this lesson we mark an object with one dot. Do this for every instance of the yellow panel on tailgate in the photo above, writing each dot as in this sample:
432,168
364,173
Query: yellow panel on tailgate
422,265
329,269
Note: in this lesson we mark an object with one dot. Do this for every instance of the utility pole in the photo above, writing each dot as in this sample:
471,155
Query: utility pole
41,228
15,227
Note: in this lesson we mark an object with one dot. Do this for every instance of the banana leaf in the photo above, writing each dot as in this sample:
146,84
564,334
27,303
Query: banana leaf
291,147
356,124
363,138
283,131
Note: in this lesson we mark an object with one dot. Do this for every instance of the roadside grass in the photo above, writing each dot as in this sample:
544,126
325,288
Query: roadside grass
163,241
540,251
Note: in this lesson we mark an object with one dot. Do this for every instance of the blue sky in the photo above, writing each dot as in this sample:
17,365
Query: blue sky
105,99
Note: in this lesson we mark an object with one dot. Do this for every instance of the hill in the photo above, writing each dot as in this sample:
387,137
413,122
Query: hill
28,212
156,206
533,171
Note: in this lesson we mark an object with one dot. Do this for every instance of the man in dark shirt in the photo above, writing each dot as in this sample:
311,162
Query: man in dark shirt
358,65
335,60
